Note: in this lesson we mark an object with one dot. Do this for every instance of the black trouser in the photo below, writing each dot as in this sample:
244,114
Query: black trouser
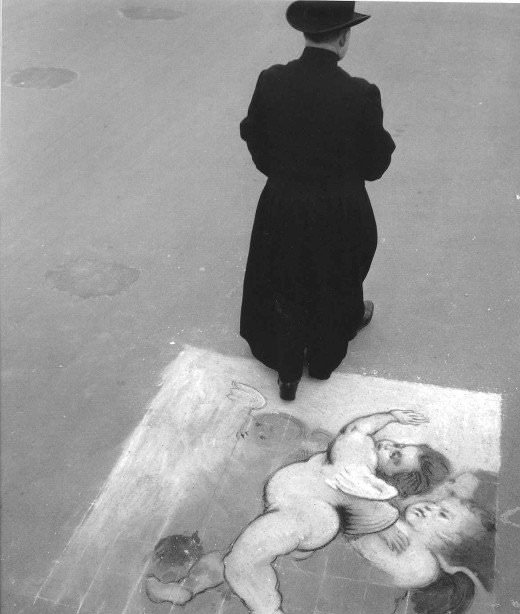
297,335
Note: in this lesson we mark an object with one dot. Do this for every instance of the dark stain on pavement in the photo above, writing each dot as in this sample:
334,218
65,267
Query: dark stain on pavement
42,77
272,429
150,13
87,277
174,555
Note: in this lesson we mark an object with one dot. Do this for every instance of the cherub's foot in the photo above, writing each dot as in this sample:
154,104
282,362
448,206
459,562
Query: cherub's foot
301,555
158,592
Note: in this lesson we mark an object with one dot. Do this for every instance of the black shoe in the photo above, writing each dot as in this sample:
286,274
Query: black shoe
319,374
367,316
288,389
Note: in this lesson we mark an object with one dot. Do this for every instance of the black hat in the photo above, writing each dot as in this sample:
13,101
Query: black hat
322,16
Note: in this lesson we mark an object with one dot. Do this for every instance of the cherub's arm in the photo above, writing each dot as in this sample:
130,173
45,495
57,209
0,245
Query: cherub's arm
370,425
411,567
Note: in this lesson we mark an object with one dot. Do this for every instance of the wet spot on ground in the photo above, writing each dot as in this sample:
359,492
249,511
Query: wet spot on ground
42,77
272,429
150,13
511,517
88,277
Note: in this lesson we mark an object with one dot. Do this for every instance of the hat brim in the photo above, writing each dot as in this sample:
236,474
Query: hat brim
295,18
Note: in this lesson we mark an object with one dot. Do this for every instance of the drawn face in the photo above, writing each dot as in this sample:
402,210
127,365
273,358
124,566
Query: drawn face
447,521
395,457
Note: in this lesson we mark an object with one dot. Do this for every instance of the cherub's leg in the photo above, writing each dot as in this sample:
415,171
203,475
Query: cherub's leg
207,573
301,555
248,567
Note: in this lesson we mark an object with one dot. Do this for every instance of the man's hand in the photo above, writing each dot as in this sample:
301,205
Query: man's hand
409,416
395,539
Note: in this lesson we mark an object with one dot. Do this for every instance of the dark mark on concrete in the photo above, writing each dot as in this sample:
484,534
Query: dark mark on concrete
506,517
42,77
272,429
86,277
150,13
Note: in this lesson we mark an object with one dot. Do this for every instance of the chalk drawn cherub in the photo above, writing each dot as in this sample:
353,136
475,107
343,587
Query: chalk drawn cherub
448,560
458,532
306,503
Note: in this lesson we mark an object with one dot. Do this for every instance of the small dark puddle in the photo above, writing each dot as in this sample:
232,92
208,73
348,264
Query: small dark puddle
42,77
87,277
272,429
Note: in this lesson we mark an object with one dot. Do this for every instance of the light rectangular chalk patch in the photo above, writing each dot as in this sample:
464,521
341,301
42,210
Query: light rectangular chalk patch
190,432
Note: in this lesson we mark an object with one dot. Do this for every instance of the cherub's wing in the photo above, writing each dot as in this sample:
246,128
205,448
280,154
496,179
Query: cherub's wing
362,516
450,594
360,482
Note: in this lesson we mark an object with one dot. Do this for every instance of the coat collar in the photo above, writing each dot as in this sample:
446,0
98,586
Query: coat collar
316,55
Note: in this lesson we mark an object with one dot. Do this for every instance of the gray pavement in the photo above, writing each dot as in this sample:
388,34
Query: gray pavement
128,200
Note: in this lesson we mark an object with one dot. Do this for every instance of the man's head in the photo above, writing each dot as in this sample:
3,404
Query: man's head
336,41
412,469
325,24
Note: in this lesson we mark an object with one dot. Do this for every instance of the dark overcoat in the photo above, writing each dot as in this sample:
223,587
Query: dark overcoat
317,134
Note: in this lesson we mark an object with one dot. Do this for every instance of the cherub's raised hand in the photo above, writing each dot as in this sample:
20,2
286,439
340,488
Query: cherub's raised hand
409,416
395,539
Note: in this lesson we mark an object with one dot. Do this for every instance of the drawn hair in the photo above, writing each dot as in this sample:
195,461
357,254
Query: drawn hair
454,593
449,594
476,552
325,37
434,468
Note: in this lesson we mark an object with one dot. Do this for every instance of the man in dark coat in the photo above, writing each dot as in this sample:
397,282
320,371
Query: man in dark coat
317,134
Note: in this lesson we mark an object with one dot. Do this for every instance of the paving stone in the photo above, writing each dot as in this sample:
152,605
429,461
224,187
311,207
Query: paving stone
149,533
244,495
66,585
224,524
209,602
299,590
42,606
377,576
140,604
344,562
316,564
340,596
109,593
116,579
190,518
125,558
233,605
383,600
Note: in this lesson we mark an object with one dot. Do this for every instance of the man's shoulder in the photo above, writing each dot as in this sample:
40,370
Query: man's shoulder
348,85
278,70
358,85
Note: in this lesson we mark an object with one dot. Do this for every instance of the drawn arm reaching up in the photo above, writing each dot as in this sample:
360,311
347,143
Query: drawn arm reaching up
370,425
356,455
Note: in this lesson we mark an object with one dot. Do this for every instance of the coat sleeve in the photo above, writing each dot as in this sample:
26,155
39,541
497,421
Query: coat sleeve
253,129
376,144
